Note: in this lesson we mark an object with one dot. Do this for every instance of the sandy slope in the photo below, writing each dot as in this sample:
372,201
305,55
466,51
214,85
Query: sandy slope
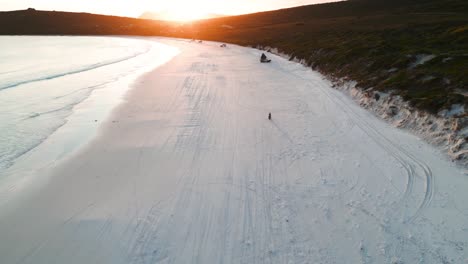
189,170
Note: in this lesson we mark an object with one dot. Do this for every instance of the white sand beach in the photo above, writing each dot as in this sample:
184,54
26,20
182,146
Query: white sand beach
188,169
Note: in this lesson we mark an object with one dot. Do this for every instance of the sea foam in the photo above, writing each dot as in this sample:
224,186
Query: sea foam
44,79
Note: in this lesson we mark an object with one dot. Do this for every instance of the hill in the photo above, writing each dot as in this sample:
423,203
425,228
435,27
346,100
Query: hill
34,22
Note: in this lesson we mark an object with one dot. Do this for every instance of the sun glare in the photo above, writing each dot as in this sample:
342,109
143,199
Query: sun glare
184,10
186,15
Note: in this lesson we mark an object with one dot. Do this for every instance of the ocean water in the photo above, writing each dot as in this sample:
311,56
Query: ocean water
46,82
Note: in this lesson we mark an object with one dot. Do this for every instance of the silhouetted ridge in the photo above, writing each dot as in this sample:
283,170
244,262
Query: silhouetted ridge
33,22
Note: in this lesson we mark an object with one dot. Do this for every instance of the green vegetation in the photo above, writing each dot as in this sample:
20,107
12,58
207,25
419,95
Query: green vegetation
377,43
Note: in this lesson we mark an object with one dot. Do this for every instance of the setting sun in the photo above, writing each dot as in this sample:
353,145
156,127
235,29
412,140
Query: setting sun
182,10
186,15
186,11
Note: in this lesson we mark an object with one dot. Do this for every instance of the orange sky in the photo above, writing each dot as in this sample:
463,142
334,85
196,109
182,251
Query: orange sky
170,9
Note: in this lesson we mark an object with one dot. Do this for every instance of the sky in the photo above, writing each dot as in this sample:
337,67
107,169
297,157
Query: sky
172,9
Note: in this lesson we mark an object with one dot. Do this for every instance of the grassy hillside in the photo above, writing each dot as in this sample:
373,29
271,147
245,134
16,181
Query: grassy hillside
32,22
377,43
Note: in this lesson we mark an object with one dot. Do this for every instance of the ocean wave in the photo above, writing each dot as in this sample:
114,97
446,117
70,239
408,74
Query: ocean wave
28,117
70,105
7,159
79,70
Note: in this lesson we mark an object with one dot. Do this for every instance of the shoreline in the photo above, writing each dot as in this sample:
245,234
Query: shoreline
80,127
